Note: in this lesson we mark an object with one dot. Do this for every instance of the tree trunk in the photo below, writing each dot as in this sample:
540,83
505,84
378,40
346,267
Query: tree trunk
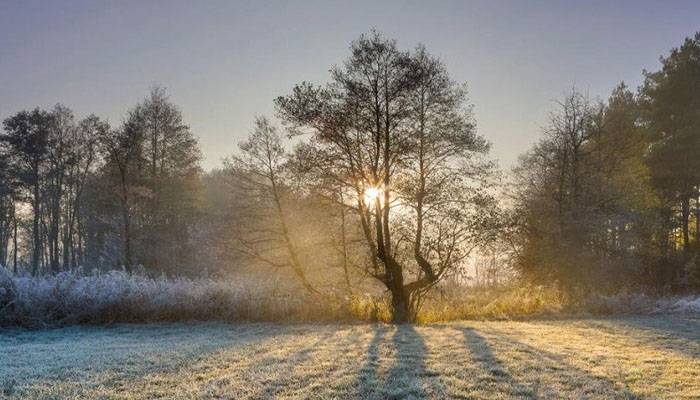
685,216
344,247
5,222
400,304
127,241
291,248
68,235
79,255
697,222
36,250
400,301
126,221
14,239
55,251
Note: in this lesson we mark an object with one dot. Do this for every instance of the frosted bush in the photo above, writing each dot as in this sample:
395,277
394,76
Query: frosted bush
73,297
116,296
684,305
620,303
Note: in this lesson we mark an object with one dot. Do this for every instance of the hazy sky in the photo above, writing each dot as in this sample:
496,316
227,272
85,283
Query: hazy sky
223,62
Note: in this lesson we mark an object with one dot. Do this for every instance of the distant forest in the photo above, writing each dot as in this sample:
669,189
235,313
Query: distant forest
376,177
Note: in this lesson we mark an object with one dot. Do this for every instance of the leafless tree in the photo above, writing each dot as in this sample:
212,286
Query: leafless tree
122,152
261,182
395,132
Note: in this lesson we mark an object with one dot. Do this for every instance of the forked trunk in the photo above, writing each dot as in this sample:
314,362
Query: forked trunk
400,299
401,310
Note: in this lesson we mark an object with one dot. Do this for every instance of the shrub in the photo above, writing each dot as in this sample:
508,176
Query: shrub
72,297
115,297
493,303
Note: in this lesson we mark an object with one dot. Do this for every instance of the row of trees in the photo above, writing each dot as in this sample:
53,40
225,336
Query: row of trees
47,157
611,192
387,187
78,192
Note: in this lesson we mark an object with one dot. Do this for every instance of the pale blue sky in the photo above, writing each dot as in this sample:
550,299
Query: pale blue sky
223,62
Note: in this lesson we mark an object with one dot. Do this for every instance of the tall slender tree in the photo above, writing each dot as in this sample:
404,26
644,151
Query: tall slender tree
171,179
26,140
8,189
261,181
122,149
671,100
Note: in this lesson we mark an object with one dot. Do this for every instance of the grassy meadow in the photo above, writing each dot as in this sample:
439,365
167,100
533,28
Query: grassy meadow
621,357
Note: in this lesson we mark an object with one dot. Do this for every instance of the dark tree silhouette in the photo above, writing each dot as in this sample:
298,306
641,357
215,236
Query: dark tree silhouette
396,133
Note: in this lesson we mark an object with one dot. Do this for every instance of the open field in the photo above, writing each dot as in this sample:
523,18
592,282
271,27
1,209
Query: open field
630,357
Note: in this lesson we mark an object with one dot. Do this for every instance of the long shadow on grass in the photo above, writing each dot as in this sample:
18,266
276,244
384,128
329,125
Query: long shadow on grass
542,362
679,334
482,353
286,368
403,380
113,356
368,379
678,326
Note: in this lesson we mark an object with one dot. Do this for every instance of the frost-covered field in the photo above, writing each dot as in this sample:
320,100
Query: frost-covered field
631,357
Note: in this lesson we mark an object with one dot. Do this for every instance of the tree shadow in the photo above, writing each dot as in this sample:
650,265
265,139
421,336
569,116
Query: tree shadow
542,363
368,379
117,356
291,362
404,379
679,326
481,351
679,334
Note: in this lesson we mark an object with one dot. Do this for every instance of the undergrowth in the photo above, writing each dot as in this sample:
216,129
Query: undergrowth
117,297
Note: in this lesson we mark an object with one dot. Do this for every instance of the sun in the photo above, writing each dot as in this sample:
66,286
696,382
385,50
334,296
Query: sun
372,194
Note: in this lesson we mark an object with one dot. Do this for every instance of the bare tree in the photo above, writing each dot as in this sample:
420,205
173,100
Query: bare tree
122,152
262,189
395,132
170,182
83,156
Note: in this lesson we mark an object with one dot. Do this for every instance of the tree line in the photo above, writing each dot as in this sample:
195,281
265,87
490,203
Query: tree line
78,192
376,180
610,195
